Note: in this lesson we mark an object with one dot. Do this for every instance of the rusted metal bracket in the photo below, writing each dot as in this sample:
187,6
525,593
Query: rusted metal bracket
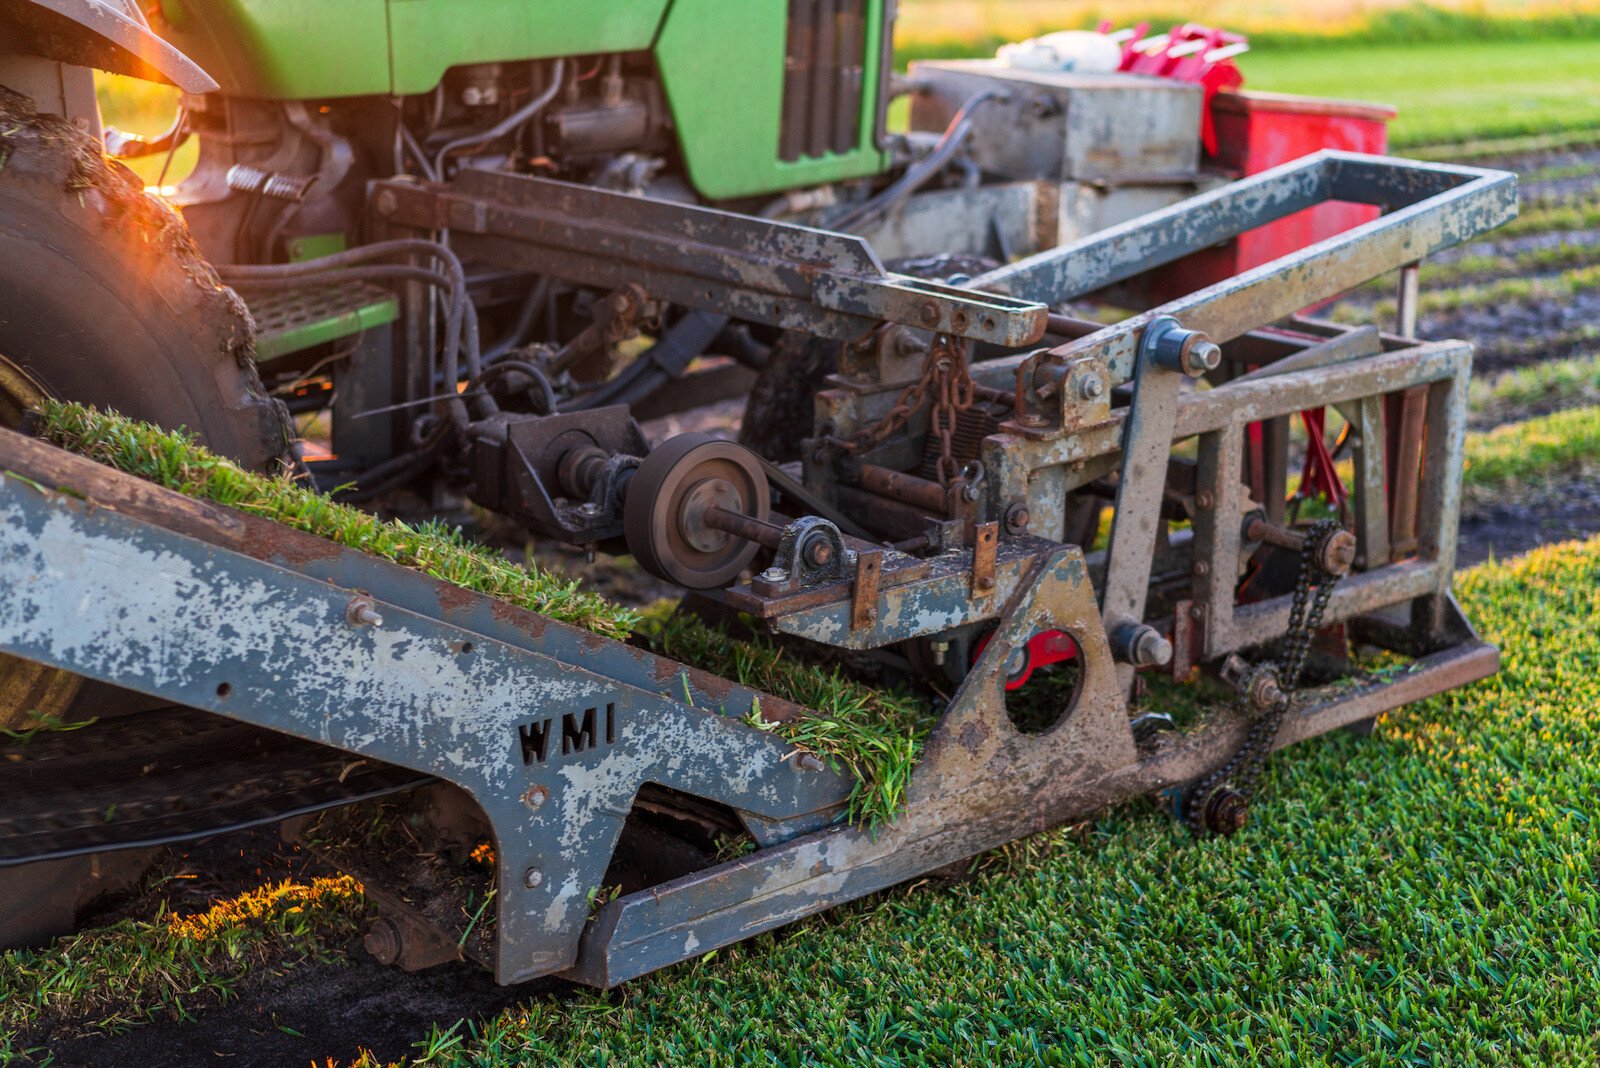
985,543
864,597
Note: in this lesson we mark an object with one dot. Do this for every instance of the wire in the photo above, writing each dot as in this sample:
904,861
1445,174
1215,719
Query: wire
511,122
918,174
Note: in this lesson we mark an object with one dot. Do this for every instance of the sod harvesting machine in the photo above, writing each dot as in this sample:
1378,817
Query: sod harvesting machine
1038,430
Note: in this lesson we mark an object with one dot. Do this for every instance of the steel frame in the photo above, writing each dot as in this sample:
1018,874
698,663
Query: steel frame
117,580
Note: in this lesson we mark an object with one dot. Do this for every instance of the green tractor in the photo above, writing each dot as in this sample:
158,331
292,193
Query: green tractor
499,253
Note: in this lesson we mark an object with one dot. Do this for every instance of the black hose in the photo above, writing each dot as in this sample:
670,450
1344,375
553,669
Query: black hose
504,126
685,340
917,175
461,329
527,319
540,379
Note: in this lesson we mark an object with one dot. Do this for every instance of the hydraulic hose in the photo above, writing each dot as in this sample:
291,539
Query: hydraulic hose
918,174
686,339
506,125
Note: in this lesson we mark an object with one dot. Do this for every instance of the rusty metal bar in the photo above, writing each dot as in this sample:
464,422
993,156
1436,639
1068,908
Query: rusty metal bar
781,274
899,486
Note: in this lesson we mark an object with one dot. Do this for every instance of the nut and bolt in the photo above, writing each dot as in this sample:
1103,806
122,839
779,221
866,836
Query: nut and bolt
1091,387
1017,517
1141,645
1225,812
970,492
1202,568
1204,501
588,509
533,878
383,941
774,574
1201,355
1337,553
1264,693
386,203
361,612
929,312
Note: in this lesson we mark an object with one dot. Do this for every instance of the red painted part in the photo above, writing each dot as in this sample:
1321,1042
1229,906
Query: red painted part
1320,475
1259,131
1043,649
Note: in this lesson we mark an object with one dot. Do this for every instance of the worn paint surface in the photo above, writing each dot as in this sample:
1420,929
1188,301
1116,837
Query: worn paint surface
126,602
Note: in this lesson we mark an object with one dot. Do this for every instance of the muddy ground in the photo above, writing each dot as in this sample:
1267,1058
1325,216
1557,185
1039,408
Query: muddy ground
319,1012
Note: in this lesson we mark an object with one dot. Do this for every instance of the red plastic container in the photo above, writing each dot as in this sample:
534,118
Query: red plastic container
1258,131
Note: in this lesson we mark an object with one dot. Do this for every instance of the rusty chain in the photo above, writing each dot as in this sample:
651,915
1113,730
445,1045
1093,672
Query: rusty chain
1242,771
946,376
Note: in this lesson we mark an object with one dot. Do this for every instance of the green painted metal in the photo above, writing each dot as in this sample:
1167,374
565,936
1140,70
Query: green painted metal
723,65
299,319
312,49
284,49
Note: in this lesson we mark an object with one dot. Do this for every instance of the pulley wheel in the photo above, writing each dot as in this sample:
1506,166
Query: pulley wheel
664,514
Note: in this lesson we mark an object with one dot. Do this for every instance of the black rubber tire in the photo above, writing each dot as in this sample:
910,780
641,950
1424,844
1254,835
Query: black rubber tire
105,298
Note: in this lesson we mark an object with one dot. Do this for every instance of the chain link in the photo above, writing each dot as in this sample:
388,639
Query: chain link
1242,771
946,376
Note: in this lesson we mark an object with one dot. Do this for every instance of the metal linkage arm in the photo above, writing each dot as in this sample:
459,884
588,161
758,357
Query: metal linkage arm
796,277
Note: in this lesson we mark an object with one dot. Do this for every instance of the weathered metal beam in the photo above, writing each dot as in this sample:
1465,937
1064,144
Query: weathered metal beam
782,274
552,752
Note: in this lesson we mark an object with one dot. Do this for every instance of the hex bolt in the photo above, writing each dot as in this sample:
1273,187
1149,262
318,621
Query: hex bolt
1201,355
1017,517
970,492
588,509
940,651
774,574
361,612
811,762
1091,387
1141,645
930,312
533,878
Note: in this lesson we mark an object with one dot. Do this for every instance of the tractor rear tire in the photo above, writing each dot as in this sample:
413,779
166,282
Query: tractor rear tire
105,299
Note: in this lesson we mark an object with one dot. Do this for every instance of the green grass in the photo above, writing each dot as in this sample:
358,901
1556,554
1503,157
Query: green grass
132,971
1449,92
1538,387
1512,459
1424,895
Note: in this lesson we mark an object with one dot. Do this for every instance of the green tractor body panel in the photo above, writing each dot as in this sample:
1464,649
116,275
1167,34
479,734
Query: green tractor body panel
723,65
724,69
313,49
